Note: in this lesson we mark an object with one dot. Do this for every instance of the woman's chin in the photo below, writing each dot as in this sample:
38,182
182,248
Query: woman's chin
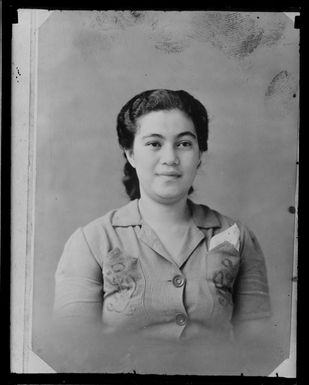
169,196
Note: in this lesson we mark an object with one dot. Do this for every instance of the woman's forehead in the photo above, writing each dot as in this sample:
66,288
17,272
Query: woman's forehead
164,121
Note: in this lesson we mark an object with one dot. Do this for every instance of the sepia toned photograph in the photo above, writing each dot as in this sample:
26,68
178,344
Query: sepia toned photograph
154,196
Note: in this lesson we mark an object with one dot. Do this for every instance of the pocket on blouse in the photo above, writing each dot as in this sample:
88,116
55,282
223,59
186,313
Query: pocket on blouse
124,282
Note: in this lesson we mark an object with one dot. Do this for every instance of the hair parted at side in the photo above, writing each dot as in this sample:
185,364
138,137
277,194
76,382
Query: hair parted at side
157,100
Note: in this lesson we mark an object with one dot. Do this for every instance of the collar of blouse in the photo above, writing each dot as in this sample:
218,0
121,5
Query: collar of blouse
129,215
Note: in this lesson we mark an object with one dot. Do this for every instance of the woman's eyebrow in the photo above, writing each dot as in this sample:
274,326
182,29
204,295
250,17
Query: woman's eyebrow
153,136
185,133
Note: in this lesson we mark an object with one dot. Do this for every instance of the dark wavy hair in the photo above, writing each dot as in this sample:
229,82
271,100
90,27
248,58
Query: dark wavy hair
156,100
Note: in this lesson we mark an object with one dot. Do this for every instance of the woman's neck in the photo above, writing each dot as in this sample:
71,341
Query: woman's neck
156,213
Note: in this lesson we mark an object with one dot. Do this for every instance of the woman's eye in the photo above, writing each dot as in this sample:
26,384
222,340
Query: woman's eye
153,144
185,144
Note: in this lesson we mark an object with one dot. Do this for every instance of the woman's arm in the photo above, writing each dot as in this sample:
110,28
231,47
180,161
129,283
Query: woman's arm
77,313
78,283
254,330
251,292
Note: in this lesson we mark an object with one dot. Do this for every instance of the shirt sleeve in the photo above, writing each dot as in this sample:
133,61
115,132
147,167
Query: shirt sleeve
78,282
251,292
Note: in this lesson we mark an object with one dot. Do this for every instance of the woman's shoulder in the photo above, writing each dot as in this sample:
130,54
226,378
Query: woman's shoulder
103,227
98,234
223,225
206,216
235,231
125,215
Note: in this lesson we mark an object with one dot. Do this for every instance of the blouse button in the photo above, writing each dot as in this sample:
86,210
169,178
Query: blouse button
178,281
181,319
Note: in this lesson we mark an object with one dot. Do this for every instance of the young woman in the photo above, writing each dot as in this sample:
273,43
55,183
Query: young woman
163,266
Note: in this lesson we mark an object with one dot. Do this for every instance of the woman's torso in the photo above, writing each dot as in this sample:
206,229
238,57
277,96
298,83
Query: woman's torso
145,290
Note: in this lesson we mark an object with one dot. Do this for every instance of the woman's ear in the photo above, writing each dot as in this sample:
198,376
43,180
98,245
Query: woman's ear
130,157
200,161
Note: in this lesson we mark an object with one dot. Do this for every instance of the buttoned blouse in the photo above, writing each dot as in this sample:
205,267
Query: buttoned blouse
116,270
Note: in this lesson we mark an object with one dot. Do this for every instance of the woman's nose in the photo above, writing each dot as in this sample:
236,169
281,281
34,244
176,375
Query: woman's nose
169,156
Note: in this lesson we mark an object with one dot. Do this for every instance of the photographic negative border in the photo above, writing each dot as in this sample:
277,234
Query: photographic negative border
24,108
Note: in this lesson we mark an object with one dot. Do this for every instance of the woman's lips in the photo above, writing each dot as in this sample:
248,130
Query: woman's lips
171,174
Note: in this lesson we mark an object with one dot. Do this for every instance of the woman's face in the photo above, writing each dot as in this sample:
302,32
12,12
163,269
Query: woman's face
165,155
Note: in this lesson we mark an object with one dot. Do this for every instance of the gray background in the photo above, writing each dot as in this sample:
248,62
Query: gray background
242,66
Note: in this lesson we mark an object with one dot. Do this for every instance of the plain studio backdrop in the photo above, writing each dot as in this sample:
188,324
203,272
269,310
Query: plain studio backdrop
242,66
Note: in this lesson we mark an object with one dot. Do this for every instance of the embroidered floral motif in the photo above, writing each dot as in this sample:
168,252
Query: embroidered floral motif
123,282
223,265
224,280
